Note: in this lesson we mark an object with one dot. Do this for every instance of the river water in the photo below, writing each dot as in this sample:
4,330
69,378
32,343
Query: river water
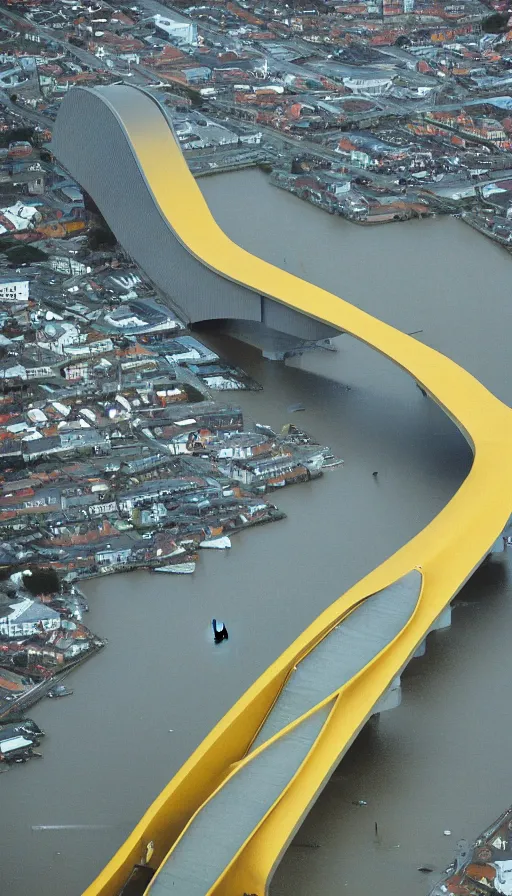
437,762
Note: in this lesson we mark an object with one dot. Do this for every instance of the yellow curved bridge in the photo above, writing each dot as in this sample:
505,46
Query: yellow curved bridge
223,822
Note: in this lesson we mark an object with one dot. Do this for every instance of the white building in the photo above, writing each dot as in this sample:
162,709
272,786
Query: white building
370,86
111,557
87,350
102,509
14,290
70,266
181,32
19,217
24,617
13,371
251,139
58,336
35,373
11,77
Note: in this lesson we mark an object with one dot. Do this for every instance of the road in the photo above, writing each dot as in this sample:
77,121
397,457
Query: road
302,147
154,8
23,112
140,77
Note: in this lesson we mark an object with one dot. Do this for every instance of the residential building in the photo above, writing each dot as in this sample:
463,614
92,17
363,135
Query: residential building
112,556
12,685
14,289
56,336
182,32
22,617
372,86
103,508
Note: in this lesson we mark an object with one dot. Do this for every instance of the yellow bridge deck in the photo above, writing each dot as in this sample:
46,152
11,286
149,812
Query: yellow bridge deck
223,822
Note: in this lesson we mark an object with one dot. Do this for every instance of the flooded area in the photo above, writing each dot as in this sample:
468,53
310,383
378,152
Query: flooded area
143,704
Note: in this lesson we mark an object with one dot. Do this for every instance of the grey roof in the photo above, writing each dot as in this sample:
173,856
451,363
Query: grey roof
10,447
14,279
81,500
34,613
40,446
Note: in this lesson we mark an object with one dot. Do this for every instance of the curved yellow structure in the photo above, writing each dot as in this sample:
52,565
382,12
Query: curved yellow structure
232,773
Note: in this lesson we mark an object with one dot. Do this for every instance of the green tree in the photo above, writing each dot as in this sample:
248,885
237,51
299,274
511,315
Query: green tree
101,237
25,254
42,581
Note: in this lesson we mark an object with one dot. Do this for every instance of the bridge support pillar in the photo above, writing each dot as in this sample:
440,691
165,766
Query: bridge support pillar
390,699
444,620
273,344
273,355
498,546
420,650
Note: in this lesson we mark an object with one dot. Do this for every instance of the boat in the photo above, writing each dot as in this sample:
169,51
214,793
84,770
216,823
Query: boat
180,568
221,543
60,690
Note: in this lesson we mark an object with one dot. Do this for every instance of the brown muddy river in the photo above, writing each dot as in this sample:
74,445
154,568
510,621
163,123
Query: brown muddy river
437,762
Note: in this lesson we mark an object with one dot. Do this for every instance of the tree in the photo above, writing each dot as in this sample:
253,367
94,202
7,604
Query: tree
101,237
25,254
42,581
16,134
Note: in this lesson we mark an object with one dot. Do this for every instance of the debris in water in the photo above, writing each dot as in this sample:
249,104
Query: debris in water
359,803
425,869
220,632
70,827
447,833
296,407
60,690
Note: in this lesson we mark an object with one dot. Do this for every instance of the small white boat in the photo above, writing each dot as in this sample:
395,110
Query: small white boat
219,543
179,568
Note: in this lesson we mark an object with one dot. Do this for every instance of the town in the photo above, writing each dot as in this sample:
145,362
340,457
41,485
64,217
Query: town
122,446
116,451
378,111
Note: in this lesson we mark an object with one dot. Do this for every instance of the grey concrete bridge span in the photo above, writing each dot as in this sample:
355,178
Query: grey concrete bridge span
107,169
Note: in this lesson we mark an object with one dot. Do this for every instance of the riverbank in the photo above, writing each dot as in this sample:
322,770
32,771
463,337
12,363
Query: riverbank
483,867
